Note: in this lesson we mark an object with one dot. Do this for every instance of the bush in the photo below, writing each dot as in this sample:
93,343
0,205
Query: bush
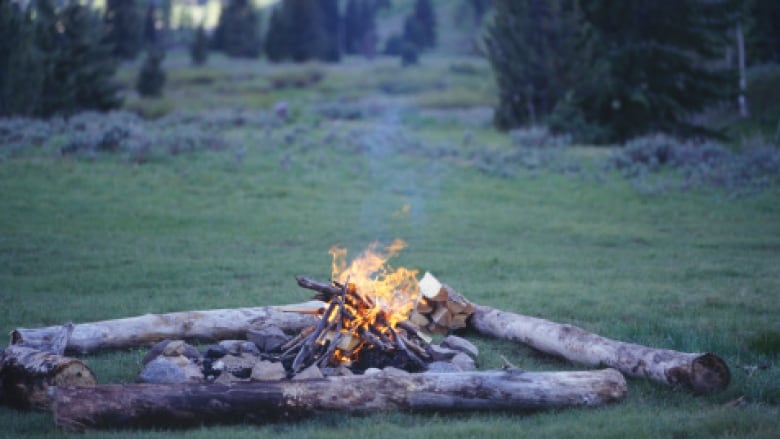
151,79
199,50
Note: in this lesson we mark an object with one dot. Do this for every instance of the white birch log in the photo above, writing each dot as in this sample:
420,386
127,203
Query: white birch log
144,330
698,372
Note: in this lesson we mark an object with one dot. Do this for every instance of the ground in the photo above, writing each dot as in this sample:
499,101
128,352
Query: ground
373,151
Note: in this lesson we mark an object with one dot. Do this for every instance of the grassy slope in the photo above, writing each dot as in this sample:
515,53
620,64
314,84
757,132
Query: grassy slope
83,241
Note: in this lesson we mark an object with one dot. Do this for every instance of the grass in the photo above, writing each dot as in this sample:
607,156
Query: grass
89,240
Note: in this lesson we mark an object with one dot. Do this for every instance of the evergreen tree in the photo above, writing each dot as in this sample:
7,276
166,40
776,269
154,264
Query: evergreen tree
360,27
277,40
531,46
765,30
420,25
123,27
238,31
331,22
651,64
300,30
151,79
79,66
199,49
21,63
150,25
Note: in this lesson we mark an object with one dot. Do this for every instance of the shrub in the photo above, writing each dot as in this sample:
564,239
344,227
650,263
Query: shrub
151,79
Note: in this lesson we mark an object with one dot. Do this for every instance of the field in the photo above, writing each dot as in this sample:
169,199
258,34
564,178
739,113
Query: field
223,204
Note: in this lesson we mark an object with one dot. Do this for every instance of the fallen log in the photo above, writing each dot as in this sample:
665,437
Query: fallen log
700,373
218,324
183,405
26,375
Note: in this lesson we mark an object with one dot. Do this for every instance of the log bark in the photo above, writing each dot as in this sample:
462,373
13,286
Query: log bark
26,375
697,372
218,324
182,405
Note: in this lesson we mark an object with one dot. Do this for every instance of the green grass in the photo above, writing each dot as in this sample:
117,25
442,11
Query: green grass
89,240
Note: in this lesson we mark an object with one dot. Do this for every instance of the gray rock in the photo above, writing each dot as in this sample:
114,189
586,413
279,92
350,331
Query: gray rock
311,372
170,370
440,353
460,344
267,338
268,371
464,362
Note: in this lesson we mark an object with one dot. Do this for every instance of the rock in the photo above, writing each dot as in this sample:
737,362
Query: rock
240,365
372,371
311,372
394,371
215,351
443,367
174,348
460,344
340,371
440,353
232,347
170,370
155,351
267,338
268,371
464,362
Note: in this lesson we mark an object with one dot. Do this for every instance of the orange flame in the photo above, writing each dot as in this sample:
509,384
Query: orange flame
392,291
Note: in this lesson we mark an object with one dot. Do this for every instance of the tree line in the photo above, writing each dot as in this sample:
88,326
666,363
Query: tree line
609,70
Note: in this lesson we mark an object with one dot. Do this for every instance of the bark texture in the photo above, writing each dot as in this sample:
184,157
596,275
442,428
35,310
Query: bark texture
182,405
700,373
218,324
26,375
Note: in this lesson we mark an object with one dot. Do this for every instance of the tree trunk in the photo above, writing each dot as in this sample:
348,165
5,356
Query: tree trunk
218,324
696,372
180,405
743,106
26,374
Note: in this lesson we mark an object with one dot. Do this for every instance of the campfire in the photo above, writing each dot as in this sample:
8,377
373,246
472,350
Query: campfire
364,318
361,345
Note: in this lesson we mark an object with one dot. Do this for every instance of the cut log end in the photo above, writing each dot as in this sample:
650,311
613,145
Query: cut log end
709,373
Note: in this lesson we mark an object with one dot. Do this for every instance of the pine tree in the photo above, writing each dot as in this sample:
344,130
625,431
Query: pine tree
765,30
420,25
531,47
199,49
277,40
360,27
651,64
238,31
301,30
151,78
21,63
150,25
123,27
79,66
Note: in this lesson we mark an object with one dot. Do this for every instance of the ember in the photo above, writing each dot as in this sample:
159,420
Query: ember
364,323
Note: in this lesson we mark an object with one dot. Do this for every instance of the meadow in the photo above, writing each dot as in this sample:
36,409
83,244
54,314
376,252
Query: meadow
215,197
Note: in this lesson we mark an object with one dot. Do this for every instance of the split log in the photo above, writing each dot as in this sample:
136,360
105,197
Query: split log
700,373
182,405
440,309
26,375
218,324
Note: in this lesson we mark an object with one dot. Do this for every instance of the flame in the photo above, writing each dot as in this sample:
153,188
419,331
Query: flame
388,294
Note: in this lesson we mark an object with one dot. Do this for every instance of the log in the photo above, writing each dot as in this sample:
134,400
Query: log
26,375
185,405
211,325
697,372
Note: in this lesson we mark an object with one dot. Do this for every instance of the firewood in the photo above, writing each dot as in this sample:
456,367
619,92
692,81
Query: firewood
423,306
431,288
441,316
182,405
27,374
145,330
698,372
418,319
